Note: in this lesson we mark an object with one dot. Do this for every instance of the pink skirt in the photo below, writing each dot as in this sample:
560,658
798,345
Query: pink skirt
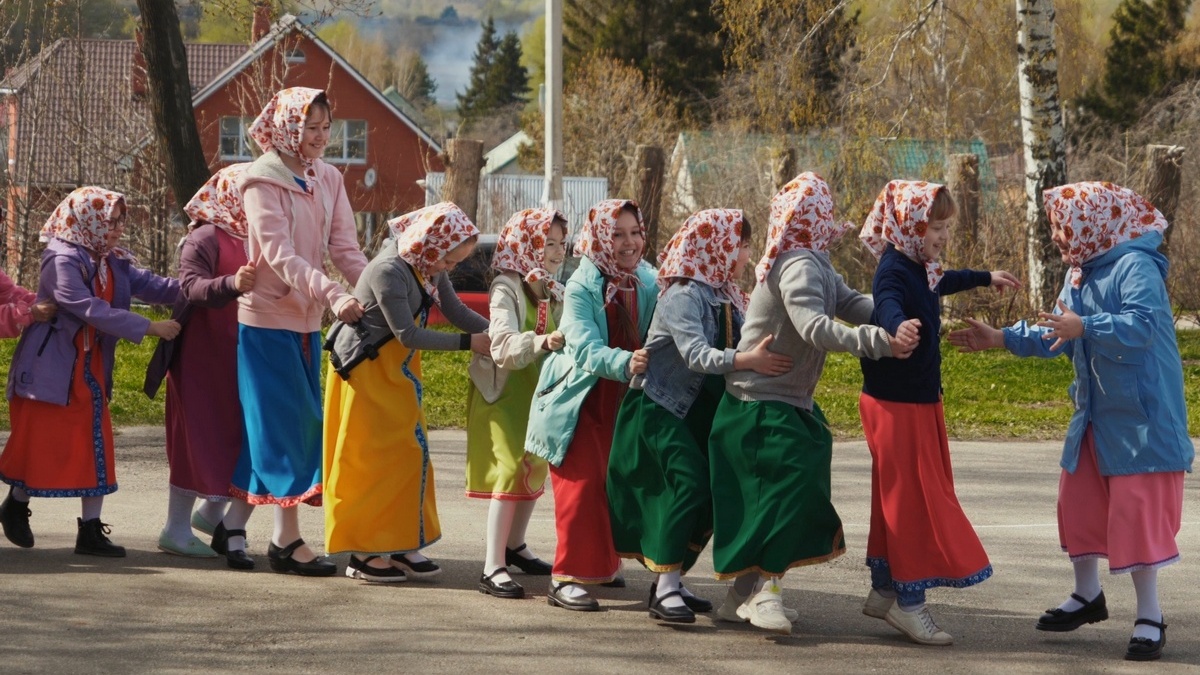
1130,520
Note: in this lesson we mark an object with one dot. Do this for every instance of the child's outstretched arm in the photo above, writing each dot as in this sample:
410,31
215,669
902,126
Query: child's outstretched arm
1142,298
72,295
198,278
453,308
1021,339
151,288
801,287
511,348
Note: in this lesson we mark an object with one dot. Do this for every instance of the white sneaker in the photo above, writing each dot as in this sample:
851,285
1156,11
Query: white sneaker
734,609
766,611
918,626
877,605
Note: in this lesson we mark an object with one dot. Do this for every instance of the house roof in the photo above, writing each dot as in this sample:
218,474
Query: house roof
281,29
504,154
73,87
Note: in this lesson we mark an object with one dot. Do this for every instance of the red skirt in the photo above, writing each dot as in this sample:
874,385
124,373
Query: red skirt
918,528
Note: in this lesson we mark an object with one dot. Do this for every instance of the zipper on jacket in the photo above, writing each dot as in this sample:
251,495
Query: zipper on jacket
555,383
45,341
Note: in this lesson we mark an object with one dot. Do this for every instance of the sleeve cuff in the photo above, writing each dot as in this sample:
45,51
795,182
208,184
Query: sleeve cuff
464,341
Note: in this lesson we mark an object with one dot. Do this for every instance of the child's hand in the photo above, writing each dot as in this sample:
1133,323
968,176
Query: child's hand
908,335
637,364
481,343
555,341
166,330
1065,326
1002,280
977,338
243,279
351,312
762,360
43,311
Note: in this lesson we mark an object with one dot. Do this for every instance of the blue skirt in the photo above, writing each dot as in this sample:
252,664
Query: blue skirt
279,382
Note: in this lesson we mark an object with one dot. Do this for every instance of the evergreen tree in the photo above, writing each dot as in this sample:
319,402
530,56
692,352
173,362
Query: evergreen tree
510,79
498,79
475,99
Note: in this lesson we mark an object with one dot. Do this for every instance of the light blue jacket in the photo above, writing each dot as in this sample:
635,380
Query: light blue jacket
680,343
1128,376
570,373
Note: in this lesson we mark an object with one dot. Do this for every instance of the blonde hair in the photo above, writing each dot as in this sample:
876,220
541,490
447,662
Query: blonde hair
943,205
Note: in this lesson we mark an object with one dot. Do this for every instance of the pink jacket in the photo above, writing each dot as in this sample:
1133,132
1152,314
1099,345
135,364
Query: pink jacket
290,233
14,307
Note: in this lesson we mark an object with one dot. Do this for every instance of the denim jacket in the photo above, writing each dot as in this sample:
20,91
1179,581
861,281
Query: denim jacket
680,345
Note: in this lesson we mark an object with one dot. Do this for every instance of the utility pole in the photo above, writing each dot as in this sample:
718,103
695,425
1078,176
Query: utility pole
552,192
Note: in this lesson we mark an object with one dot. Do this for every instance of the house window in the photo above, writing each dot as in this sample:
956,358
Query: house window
347,142
234,142
295,56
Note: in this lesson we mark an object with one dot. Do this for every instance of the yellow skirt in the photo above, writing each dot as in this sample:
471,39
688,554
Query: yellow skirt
379,496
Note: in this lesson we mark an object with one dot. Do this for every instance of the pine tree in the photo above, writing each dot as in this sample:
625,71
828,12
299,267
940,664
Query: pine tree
509,79
475,99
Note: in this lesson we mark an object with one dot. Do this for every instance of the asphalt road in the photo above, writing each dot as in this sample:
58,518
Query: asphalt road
152,612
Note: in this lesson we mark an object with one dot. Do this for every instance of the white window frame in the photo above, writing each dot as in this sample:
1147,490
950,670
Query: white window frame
337,135
244,141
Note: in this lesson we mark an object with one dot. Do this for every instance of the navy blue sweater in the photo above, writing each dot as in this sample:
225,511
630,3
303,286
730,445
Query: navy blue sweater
901,292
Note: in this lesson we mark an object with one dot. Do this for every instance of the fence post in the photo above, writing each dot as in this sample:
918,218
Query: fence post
649,166
463,159
1164,179
783,166
962,179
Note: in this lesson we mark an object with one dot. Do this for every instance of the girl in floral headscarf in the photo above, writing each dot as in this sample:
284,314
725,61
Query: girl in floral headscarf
770,445
658,480
606,310
204,416
1120,495
919,538
380,504
525,305
60,380
297,213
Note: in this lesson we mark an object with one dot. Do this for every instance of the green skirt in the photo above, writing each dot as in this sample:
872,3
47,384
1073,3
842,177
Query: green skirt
770,488
658,485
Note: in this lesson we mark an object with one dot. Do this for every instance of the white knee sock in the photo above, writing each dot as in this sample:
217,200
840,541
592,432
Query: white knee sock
287,526
520,523
1145,583
91,507
179,516
572,590
212,510
235,519
19,494
668,582
499,524
1087,583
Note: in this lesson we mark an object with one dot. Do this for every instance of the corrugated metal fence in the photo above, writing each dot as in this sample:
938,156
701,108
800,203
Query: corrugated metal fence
501,195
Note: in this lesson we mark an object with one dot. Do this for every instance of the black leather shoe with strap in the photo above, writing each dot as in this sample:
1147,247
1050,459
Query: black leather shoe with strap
1145,649
1059,620
503,589
236,559
281,561
530,566
676,614
578,603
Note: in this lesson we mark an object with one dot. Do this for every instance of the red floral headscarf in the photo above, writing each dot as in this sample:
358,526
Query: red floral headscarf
705,250
219,202
280,126
521,248
901,217
801,218
426,235
1097,216
85,218
596,243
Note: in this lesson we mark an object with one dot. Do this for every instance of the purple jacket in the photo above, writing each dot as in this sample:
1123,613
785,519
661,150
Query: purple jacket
45,357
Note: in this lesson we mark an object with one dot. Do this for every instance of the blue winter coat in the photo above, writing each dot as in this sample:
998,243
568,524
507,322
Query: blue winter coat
1128,375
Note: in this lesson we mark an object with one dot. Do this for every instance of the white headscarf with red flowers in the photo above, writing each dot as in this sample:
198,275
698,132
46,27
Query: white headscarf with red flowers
280,126
901,217
426,235
219,202
801,218
596,243
705,250
1097,216
85,218
522,248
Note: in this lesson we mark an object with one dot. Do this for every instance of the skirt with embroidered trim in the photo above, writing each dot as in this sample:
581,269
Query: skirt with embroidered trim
497,465
771,488
279,383
659,498
64,451
919,532
379,490
1130,520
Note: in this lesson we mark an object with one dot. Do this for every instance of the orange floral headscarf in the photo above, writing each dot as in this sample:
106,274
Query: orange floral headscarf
219,202
85,218
801,218
280,126
426,235
705,250
1097,216
901,217
596,243
521,248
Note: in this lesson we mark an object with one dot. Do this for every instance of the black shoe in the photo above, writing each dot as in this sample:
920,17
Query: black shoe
91,539
531,566
416,570
1060,620
617,582
670,614
14,517
697,604
236,559
359,569
281,561
1145,649
504,589
583,603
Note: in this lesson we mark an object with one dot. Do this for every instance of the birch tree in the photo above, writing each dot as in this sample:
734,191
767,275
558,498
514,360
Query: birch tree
1042,138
